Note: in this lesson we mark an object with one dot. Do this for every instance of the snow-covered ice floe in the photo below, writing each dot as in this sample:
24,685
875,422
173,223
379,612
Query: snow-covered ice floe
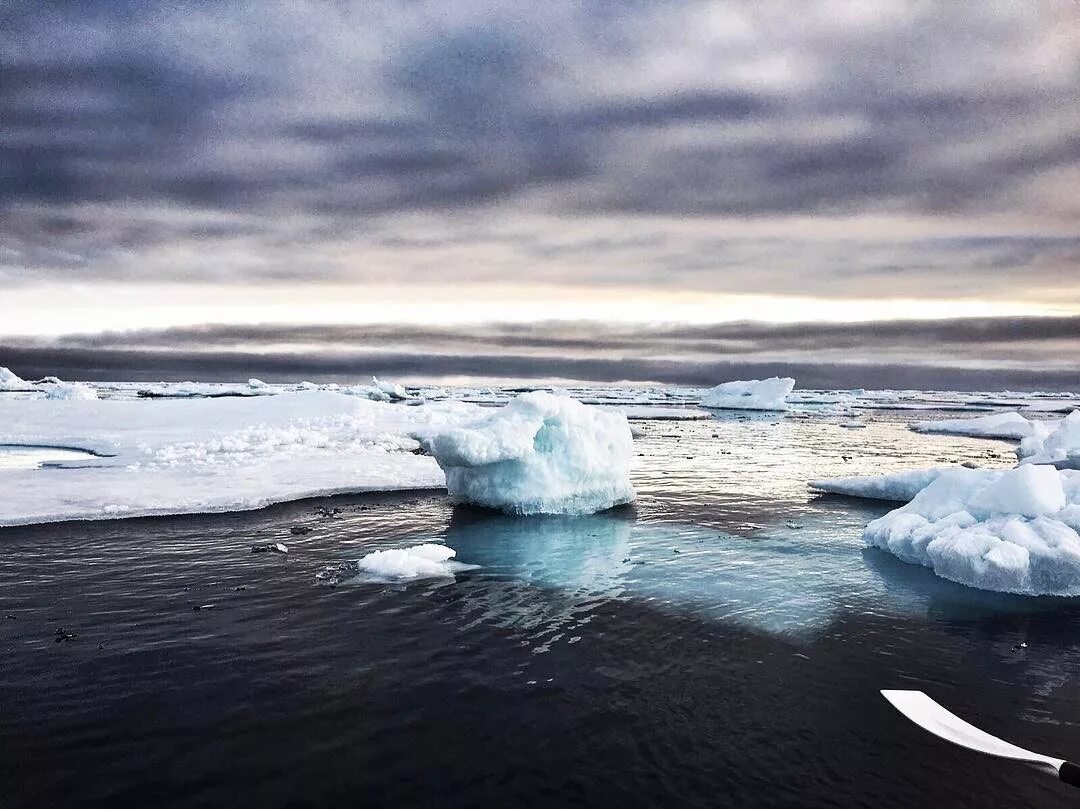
1011,425
897,486
179,456
1011,531
757,394
540,454
1060,447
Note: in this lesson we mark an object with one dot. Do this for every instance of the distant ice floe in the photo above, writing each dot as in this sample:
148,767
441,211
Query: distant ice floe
1011,425
57,389
756,394
1012,531
539,454
1060,447
50,386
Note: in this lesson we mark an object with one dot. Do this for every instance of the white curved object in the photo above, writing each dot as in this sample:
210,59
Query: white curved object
932,717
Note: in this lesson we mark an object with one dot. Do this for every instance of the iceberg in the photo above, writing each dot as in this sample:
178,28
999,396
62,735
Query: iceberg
539,454
1012,531
1010,425
756,394
1060,447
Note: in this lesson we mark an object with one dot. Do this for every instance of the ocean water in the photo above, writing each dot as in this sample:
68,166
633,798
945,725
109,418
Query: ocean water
720,643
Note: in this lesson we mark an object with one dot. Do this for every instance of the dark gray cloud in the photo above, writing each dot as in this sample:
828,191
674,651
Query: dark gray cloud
996,353
143,366
264,128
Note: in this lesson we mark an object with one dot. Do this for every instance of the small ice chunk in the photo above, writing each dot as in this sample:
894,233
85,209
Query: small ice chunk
539,454
419,561
756,394
256,384
269,547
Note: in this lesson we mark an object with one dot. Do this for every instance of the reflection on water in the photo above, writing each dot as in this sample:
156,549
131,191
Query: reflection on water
788,580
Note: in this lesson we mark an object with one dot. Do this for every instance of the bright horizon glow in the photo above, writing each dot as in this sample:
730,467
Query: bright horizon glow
57,309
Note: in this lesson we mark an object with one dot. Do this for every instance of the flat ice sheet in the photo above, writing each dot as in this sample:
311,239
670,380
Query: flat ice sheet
211,455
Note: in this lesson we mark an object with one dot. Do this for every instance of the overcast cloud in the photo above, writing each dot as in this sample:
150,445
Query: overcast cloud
831,148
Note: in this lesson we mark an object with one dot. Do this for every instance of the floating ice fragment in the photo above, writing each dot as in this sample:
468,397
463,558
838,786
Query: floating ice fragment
419,561
270,547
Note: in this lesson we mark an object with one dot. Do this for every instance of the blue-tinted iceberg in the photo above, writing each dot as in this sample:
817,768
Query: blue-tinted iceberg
1012,531
754,394
540,454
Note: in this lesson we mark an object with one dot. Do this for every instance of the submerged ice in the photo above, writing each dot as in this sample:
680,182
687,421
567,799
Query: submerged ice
539,454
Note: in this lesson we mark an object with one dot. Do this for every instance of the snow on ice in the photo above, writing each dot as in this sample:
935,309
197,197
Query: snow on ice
757,394
540,454
186,455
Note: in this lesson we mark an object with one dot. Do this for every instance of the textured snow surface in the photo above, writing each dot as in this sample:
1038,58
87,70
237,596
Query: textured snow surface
419,561
1009,425
540,454
757,394
1061,446
1011,531
178,456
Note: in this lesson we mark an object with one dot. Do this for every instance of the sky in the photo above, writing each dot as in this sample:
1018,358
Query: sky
172,171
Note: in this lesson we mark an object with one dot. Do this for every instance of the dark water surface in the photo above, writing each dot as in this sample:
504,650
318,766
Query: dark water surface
721,643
